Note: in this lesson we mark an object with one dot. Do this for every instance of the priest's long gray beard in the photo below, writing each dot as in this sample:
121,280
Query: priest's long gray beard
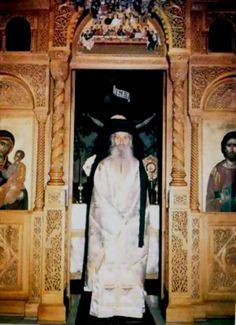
122,158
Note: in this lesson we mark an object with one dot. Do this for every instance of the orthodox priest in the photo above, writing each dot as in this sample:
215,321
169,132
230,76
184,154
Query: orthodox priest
118,225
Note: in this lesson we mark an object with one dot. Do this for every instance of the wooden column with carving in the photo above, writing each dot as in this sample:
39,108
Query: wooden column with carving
59,72
52,308
179,235
40,179
178,74
194,191
31,307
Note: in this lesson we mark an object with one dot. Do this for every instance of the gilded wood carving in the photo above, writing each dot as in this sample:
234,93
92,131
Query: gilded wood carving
178,73
36,263
178,254
59,71
34,75
53,253
222,95
202,76
194,182
14,94
11,252
222,250
195,258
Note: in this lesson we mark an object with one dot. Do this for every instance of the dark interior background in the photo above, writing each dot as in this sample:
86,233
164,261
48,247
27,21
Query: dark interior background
93,89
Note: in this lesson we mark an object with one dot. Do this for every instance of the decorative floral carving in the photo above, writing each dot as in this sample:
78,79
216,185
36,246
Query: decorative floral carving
63,15
221,236
229,257
179,252
220,281
180,200
4,257
197,38
53,250
53,197
10,253
73,24
43,37
176,17
195,259
36,77
13,94
179,266
179,224
202,76
36,258
223,258
223,98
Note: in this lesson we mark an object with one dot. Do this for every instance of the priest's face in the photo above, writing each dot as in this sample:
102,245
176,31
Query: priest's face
121,144
121,138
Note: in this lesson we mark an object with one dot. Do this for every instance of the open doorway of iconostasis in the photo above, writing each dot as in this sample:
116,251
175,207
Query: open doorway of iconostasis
92,92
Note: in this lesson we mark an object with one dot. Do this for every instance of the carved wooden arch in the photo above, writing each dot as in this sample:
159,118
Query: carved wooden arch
166,26
74,28
15,93
220,94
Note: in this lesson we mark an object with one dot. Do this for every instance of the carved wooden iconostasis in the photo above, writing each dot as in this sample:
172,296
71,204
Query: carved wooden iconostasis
174,66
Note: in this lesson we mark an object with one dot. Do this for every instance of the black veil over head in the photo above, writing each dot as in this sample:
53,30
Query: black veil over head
118,119
103,141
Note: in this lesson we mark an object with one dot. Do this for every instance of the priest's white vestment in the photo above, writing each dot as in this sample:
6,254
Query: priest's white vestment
116,266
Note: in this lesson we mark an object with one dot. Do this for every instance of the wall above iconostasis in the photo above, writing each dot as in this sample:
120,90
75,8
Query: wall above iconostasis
24,4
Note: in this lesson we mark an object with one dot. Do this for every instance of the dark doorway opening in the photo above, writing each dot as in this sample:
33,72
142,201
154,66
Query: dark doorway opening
93,89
